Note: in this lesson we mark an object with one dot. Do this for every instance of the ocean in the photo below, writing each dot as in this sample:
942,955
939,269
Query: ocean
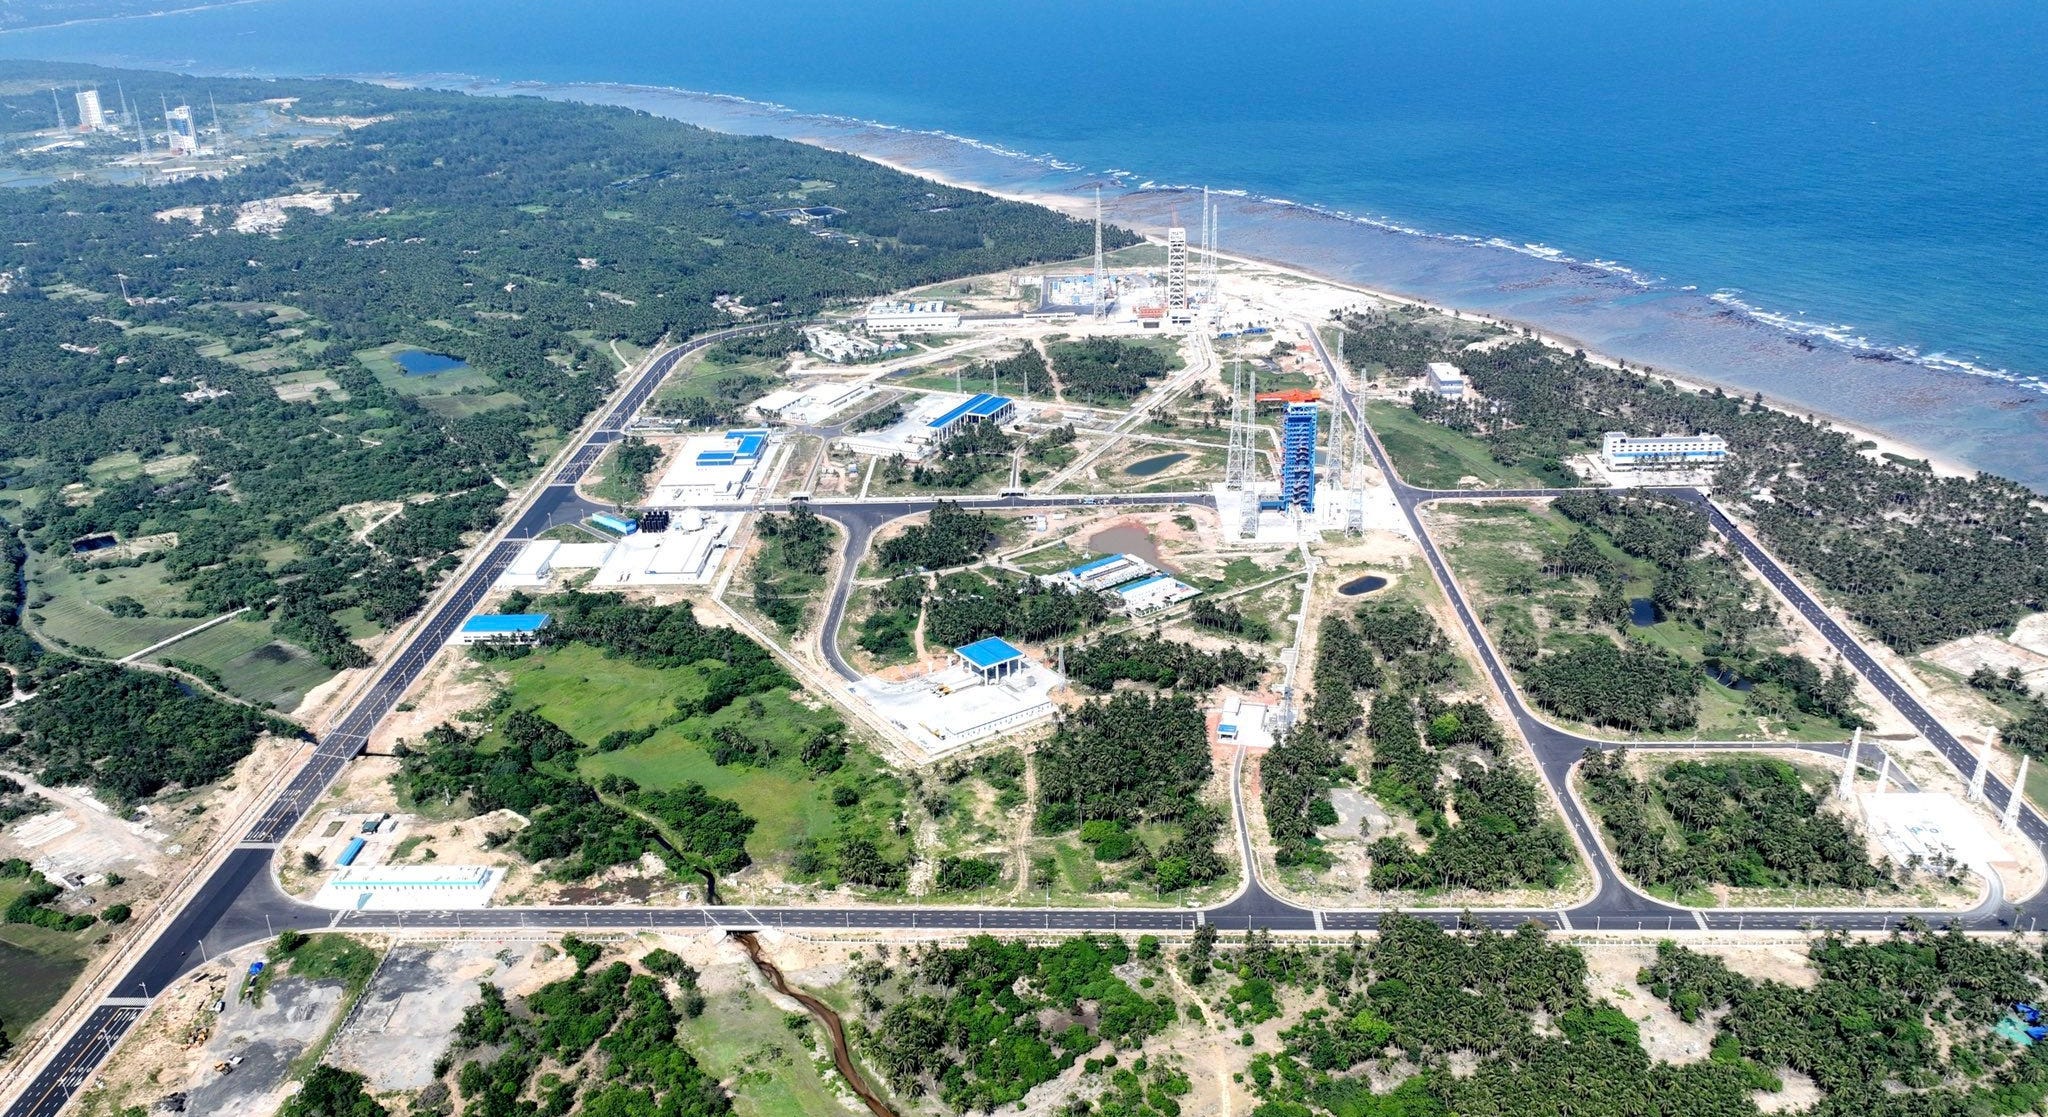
1841,205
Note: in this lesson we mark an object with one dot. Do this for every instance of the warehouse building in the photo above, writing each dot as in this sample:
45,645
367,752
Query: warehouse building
983,407
501,628
1153,594
1621,452
715,468
534,566
887,317
1103,573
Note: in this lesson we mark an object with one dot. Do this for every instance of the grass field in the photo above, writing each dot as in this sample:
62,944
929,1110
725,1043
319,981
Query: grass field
76,612
37,965
379,360
464,404
1436,457
589,696
255,666
745,1041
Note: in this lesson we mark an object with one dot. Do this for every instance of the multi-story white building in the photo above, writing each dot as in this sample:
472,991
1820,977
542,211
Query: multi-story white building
1446,381
911,317
91,118
1621,452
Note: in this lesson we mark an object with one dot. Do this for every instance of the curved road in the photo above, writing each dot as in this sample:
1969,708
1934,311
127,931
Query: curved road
239,903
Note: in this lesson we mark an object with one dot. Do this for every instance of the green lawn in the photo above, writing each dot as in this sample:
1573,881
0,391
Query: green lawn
76,613
1435,457
379,360
255,666
744,1041
37,965
588,695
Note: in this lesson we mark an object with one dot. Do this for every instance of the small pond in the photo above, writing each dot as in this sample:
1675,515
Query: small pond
1719,672
1361,585
1151,466
1127,539
1642,612
419,362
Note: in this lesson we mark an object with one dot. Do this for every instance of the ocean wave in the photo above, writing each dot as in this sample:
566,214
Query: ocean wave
1845,336
1837,334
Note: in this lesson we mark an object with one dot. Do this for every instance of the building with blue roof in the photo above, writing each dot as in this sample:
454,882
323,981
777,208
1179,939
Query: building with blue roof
501,628
1102,573
1150,594
992,659
984,407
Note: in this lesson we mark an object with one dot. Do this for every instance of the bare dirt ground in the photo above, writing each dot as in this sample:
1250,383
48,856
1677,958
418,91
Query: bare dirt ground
451,685
405,1018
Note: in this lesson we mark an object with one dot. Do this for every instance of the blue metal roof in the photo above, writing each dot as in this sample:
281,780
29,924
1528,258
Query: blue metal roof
1143,582
1091,567
715,457
990,652
505,622
983,404
750,446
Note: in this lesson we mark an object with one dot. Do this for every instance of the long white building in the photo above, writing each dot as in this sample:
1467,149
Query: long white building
910,317
1621,452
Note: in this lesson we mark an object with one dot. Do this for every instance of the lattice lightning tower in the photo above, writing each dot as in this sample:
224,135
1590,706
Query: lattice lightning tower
1098,291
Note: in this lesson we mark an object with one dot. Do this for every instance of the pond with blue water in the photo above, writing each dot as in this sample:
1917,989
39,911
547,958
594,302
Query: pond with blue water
419,362
1362,585
1150,467
1642,612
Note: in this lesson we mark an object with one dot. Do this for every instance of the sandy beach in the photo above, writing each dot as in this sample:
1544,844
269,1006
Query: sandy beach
1083,209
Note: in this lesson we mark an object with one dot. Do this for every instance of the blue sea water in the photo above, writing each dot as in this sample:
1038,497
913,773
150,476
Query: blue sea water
1842,205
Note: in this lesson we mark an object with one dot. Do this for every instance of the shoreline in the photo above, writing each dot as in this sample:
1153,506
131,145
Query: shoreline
83,21
1081,209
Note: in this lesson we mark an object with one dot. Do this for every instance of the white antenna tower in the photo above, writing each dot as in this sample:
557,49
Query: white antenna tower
1247,421
1215,230
1356,515
216,115
1099,292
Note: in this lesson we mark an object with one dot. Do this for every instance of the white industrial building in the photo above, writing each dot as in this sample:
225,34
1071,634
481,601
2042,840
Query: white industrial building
1446,380
1149,595
533,568
1621,452
1102,573
91,117
813,404
889,317
930,420
362,887
715,468
986,688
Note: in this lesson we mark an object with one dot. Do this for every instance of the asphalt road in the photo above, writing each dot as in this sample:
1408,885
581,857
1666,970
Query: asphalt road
239,902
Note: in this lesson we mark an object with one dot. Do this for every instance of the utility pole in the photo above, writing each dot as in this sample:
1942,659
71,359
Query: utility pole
2013,797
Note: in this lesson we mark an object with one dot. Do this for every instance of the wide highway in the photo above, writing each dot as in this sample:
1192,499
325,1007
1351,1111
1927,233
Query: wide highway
238,902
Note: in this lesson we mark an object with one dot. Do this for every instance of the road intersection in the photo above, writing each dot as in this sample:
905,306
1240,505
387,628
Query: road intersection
239,901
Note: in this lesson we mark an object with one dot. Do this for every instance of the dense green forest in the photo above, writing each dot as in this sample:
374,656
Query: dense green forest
1392,654
244,391
1748,822
1896,1027
1108,371
625,1018
980,1025
1128,759
1916,558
